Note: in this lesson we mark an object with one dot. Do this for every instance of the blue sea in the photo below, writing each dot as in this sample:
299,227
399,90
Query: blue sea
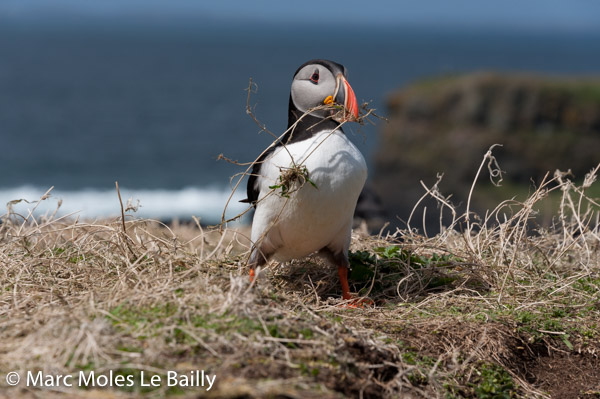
152,107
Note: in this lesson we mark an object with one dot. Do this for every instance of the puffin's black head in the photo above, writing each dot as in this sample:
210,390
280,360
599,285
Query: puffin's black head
322,82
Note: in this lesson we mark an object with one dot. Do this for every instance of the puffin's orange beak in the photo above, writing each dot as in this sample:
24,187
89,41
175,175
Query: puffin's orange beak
350,104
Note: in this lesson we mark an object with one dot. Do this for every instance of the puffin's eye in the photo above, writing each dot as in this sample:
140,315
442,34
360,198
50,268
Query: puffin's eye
315,77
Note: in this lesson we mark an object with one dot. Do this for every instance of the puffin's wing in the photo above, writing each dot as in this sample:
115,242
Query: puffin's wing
253,188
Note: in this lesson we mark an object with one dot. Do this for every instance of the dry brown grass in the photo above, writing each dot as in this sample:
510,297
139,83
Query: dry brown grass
501,309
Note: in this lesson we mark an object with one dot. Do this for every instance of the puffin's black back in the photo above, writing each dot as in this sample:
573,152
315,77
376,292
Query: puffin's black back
305,129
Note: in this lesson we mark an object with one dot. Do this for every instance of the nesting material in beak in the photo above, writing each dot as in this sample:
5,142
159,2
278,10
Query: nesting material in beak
350,111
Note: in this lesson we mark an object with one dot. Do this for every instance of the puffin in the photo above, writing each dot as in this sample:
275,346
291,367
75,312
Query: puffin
305,186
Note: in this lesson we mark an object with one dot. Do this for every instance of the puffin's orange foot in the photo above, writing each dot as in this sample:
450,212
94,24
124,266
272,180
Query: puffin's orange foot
251,275
357,303
349,302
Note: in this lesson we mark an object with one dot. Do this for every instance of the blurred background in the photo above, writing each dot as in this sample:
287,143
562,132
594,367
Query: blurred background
150,92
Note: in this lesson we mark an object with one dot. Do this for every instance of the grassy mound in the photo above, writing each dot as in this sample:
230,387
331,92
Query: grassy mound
498,310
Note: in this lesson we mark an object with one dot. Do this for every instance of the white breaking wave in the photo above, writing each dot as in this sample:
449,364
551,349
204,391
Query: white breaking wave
204,203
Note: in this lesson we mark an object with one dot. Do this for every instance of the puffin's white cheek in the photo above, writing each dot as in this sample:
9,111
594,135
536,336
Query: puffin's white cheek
306,99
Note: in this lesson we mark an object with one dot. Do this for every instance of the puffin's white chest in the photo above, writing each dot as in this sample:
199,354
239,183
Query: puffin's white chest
312,217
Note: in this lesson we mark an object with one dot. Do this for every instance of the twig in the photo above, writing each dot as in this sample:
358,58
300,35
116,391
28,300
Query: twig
122,210
125,236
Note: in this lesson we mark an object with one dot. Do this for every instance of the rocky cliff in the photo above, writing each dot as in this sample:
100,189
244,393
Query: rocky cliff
445,125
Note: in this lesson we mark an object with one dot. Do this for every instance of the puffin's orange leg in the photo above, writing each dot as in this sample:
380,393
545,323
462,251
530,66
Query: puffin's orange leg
356,303
257,259
343,273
